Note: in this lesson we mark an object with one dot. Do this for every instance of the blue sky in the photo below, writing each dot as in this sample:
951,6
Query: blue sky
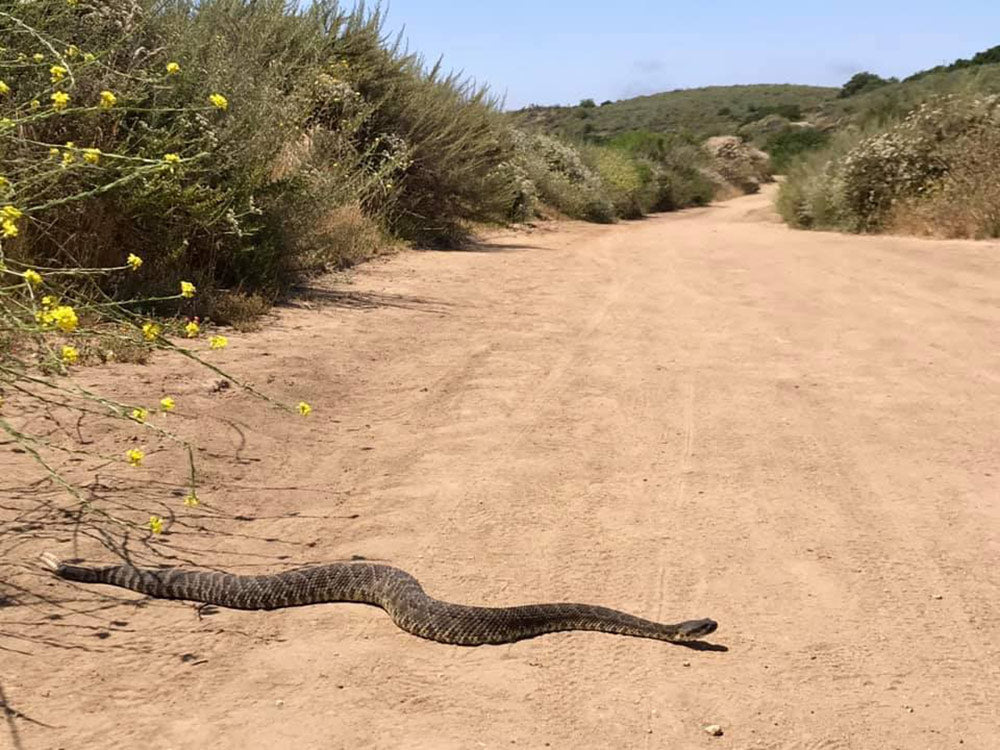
560,51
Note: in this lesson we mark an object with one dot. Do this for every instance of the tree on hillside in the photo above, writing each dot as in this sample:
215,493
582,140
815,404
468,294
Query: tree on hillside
987,57
862,82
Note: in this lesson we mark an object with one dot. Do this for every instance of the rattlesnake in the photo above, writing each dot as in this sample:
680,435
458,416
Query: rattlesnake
392,589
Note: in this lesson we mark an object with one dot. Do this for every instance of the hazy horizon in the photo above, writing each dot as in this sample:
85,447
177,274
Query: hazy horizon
560,52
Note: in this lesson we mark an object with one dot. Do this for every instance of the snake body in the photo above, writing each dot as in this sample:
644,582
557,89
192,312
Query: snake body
392,589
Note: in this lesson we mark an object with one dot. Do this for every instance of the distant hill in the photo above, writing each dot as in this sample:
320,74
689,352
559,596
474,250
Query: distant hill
702,112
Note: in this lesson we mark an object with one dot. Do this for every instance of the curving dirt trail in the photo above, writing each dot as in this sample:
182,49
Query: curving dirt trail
702,414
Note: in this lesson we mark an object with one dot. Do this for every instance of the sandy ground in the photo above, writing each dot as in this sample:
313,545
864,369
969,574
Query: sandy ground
702,414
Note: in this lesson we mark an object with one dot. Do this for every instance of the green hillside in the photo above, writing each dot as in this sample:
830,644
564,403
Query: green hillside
893,100
702,112
986,57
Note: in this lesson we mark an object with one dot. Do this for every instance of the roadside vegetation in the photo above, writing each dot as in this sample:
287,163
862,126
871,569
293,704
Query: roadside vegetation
170,165
636,174
915,157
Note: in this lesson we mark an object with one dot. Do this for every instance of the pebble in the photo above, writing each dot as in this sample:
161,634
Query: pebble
713,729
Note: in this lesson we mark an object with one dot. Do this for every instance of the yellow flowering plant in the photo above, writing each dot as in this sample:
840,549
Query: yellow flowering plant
112,214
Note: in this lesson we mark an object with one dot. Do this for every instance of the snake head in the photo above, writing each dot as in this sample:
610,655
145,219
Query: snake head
692,630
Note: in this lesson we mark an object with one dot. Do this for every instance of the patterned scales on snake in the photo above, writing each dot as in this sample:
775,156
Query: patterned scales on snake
394,590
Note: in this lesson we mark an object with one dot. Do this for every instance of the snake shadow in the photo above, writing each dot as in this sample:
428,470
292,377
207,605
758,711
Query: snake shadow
701,646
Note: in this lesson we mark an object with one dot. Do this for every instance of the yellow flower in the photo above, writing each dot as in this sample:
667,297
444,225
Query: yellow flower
192,500
219,101
35,104
8,228
173,68
150,331
72,51
33,277
304,409
4,88
48,300
92,155
88,57
58,72
156,524
135,456
59,100
53,151
68,158
192,329
218,342
171,158
167,403
38,57
133,261
72,3
64,317
70,355
11,212
108,100
187,289
140,415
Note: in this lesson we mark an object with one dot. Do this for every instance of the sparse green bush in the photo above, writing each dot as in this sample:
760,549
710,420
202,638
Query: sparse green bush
676,167
862,82
788,145
679,185
625,179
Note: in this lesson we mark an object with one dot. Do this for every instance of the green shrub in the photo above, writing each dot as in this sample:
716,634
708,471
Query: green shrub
788,145
862,82
681,186
624,178
741,166
675,168
557,176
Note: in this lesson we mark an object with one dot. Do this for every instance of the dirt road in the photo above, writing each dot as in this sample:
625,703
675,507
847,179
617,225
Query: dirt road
702,414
